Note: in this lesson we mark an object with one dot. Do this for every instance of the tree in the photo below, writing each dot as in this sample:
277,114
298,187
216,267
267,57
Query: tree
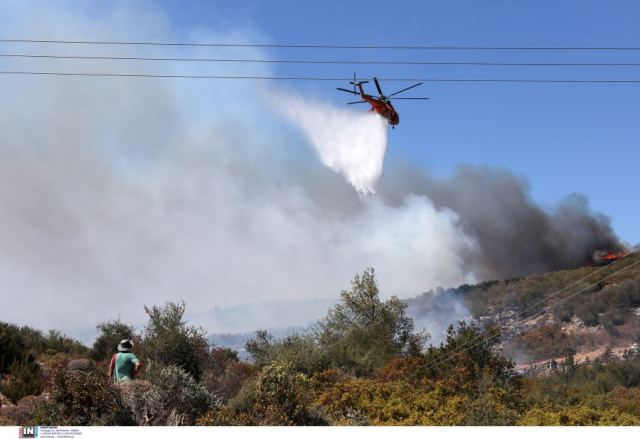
110,333
24,376
168,340
363,333
261,348
13,346
467,355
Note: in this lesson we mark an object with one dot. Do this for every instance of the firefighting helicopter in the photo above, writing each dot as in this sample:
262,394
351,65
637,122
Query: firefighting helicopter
381,104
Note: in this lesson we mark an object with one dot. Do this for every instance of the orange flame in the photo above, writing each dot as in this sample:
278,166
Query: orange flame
612,256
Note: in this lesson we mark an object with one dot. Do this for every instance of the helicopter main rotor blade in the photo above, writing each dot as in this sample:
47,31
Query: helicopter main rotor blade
393,99
405,89
348,91
378,86
356,102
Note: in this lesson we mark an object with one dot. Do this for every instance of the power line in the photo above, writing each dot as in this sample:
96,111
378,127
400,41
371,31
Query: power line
313,46
320,78
481,338
297,61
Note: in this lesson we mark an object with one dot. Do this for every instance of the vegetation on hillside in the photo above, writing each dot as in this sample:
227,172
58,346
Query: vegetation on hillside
364,363
565,311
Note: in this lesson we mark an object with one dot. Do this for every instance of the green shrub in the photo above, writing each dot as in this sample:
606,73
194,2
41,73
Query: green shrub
168,340
52,342
78,398
25,378
176,396
23,374
301,351
225,375
278,396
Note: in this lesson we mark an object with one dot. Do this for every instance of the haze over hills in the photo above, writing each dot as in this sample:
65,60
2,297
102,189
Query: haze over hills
542,316
264,315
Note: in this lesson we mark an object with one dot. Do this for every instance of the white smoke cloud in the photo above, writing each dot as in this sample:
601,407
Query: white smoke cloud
116,193
350,143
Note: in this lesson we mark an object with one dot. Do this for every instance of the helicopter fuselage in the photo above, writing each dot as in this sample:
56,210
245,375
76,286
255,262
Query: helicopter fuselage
381,106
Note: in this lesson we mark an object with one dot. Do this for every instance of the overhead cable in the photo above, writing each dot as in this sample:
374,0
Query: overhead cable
318,46
307,61
319,78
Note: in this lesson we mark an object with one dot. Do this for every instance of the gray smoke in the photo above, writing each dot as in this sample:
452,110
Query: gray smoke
115,193
119,192
433,311
514,236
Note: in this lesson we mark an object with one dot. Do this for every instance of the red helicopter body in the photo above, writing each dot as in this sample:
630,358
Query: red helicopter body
381,104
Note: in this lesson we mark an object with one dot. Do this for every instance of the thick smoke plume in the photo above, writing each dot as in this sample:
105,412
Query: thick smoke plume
351,143
514,236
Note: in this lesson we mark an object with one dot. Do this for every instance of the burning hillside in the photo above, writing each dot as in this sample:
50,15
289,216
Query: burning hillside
605,257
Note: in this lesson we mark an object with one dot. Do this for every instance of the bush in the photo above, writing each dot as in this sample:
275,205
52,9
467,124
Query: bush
366,401
175,398
56,341
23,374
52,343
78,398
544,342
25,378
279,386
145,403
225,416
301,351
223,373
611,319
169,341
278,396
579,415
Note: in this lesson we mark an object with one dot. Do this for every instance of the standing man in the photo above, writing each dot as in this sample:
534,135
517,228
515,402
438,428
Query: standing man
124,365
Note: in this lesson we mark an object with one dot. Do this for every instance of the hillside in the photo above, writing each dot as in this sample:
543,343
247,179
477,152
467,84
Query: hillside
579,312
364,363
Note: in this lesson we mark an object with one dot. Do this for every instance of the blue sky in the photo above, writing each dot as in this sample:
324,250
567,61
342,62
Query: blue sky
563,138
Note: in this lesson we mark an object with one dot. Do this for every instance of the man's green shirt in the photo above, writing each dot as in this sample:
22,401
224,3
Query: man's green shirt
125,362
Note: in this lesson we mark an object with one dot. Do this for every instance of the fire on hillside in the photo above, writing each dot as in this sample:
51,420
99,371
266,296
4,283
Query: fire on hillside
605,257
